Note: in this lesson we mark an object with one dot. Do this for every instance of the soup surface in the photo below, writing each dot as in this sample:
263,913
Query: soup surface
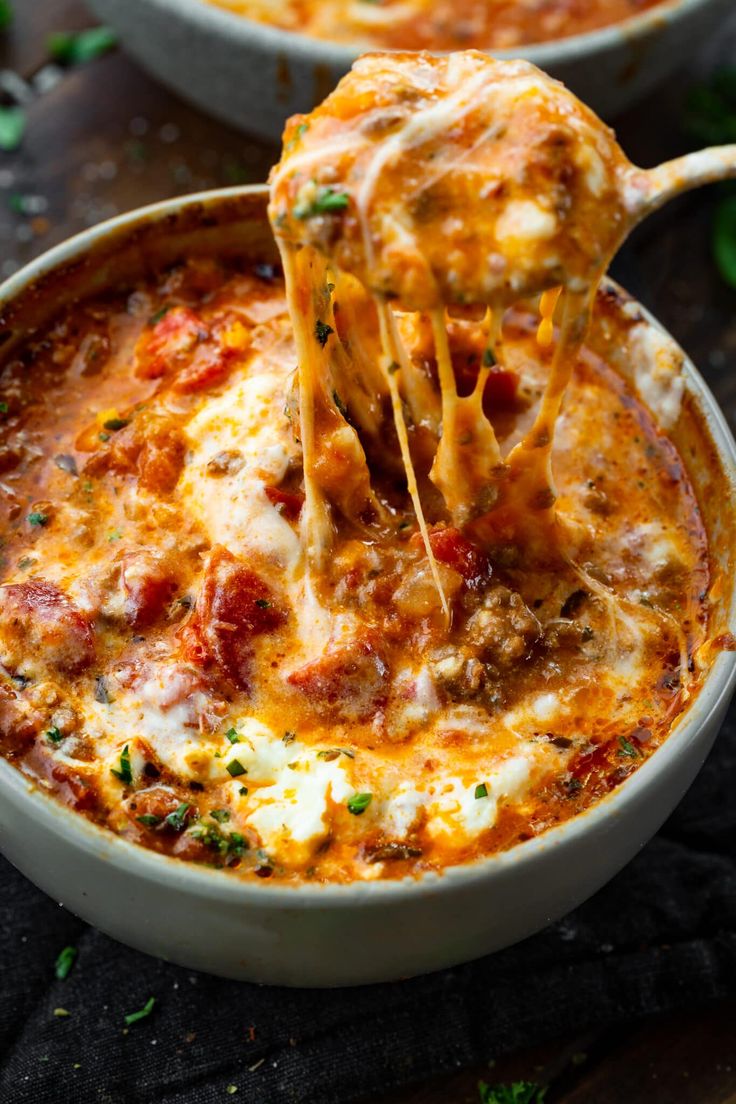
173,670
438,24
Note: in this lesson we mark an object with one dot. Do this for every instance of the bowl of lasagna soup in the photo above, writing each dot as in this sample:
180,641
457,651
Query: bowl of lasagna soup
345,774
255,62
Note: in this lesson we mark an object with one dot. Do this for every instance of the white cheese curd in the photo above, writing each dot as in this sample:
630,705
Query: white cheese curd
289,808
451,807
291,816
170,731
524,221
545,706
658,374
246,421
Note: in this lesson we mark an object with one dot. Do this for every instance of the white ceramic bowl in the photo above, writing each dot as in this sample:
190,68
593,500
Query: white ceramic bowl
339,935
255,76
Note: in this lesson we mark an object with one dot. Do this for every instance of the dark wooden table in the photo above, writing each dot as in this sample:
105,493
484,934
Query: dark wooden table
103,138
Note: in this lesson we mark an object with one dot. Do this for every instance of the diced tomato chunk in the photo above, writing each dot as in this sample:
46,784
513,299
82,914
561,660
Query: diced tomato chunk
348,682
207,367
73,789
160,350
233,607
451,547
287,502
148,585
40,624
152,447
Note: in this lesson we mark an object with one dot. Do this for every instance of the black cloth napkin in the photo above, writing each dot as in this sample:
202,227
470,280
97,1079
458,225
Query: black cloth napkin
661,935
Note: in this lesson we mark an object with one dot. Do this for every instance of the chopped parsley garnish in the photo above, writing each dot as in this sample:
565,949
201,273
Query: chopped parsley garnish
220,815
124,772
235,768
243,791
489,357
12,128
481,790
64,962
116,423
332,753
210,836
263,603
142,1013
359,802
627,748
393,368
158,315
322,331
517,1092
77,47
288,737
149,820
232,736
178,819
54,735
37,518
325,202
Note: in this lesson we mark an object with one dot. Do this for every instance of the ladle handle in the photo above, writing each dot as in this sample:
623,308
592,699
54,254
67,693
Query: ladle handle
651,188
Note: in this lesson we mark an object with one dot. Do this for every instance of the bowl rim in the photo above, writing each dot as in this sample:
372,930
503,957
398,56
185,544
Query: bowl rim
220,885
310,48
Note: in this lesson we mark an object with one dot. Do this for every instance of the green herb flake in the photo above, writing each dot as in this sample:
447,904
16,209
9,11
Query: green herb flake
627,748
220,815
37,518
489,357
232,736
78,47
243,791
114,535
517,1092
12,128
393,368
263,603
142,1013
481,790
158,315
3,408
322,331
288,737
124,772
116,423
329,754
178,819
149,820
325,202
54,735
359,802
64,963
235,768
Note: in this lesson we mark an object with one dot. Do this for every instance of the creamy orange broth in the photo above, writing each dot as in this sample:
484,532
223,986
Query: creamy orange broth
154,597
438,24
